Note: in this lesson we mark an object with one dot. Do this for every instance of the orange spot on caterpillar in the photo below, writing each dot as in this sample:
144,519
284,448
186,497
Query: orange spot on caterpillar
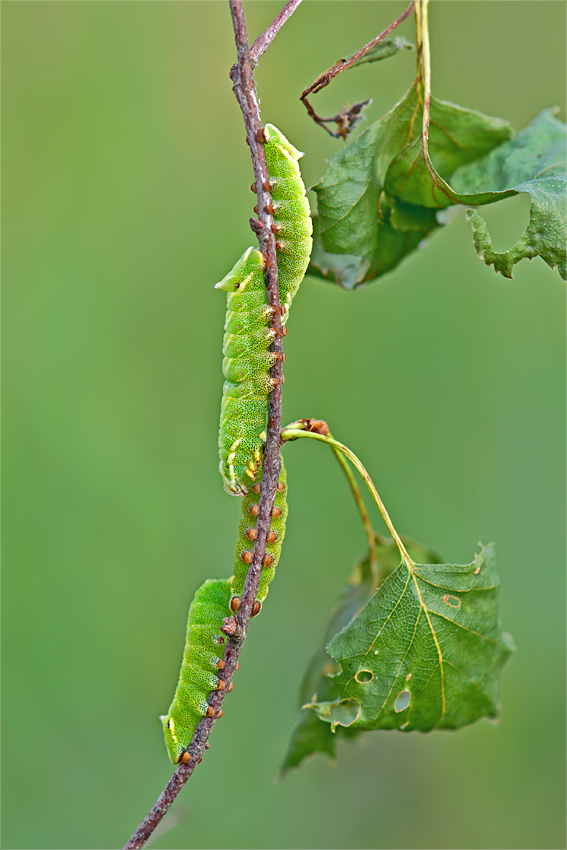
220,664
246,556
219,714
284,331
256,609
256,488
270,209
272,537
230,687
185,757
251,534
268,560
210,712
261,136
284,357
268,185
279,246
276,228
276,512
220,685
256,209
255,510
281,486
235,603
237,665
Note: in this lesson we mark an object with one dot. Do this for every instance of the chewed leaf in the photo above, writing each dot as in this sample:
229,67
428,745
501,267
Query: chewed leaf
378,200
340,712
432,641
533,162
310,734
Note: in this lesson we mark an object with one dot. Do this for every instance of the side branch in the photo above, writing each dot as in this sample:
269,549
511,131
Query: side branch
346,119
318,426
236,627
291,432
265,39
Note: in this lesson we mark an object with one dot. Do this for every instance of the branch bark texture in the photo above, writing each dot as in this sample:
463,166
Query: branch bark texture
236,627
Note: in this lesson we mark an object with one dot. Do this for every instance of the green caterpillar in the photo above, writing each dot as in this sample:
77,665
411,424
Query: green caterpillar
202,661
213,601
248,337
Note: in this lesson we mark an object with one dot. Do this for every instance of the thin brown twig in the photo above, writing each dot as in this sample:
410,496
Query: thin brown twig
265,39
346,118
236,627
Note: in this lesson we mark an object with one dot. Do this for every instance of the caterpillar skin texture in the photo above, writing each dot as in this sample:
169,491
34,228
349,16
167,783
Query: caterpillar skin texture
247,534
213,601
202,661
248,336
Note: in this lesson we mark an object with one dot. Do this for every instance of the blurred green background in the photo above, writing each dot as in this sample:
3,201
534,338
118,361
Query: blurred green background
125,198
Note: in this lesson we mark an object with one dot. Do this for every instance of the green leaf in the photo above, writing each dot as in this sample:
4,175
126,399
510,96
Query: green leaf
456,136
346,270
533,162
347,197
383,50
425,653
310,734
402,229
366,210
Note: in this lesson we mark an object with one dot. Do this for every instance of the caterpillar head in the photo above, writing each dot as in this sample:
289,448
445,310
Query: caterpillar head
273,136
244,273
174,748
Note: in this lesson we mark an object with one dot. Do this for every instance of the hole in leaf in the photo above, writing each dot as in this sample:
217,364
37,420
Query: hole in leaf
344,714
364,676
452,601
402,701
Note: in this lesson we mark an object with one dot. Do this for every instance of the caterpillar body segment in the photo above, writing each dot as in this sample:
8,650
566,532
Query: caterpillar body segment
200,668
248,336
247,535
246,367
292,217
